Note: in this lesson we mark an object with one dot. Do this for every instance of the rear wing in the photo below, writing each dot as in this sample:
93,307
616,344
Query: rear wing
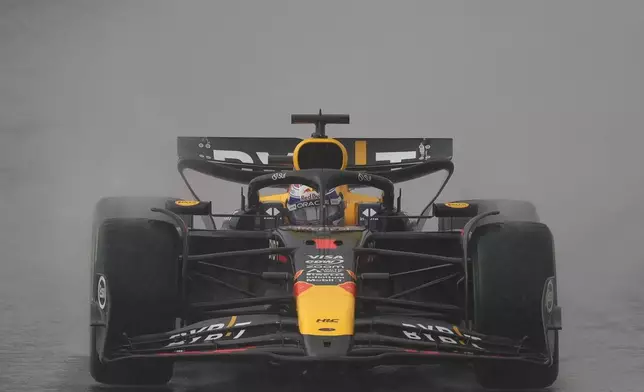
240,159
258,153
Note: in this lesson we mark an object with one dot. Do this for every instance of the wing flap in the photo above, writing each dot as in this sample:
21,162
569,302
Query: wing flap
271,153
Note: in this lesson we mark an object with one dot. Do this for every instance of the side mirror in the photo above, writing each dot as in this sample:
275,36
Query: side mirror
189,207
455,210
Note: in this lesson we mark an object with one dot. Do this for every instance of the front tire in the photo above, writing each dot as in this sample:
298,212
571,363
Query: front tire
135,289
512,263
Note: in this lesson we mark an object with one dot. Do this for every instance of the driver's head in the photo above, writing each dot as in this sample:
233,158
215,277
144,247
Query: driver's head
303,206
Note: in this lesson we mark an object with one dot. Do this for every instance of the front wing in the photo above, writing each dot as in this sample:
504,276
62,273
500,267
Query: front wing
383,340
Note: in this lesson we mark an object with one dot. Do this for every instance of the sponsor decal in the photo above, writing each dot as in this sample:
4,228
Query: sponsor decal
278,176
325,274
395,156
457,205
199,335
325,320
304,192
326,257
251,157
423,150
101,294
326,329
272,244
364,177
312,203
186,203
240,156
309,194
324,277
550,296
456,338
325,260
303,204
325,269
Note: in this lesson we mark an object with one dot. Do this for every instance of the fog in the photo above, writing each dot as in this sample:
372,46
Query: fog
543,99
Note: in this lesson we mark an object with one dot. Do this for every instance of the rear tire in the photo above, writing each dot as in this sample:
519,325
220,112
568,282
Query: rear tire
511,265
136,262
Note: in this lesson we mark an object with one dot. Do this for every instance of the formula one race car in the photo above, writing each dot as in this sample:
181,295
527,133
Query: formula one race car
318,274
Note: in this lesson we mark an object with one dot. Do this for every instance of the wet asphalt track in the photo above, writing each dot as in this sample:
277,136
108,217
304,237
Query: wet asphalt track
544,103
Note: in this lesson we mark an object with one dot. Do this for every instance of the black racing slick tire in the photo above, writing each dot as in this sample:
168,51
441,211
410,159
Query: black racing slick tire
135,287
512,264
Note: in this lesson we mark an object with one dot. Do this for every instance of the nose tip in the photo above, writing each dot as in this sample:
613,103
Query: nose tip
327,346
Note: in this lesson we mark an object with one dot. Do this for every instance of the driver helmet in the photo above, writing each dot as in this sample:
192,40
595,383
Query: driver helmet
303,206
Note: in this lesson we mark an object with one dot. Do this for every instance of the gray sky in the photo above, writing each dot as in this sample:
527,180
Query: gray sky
543,98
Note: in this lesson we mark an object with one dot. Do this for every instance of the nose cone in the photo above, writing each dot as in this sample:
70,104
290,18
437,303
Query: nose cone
326,316
326,310
325,288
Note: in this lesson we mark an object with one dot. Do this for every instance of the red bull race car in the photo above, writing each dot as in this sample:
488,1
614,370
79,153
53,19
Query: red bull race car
298,280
